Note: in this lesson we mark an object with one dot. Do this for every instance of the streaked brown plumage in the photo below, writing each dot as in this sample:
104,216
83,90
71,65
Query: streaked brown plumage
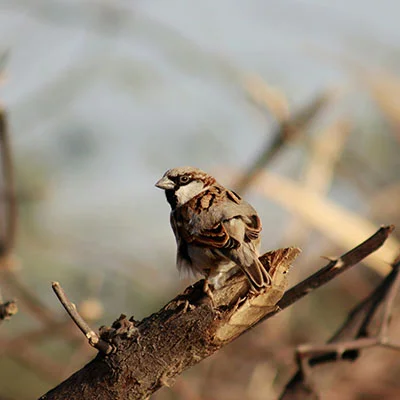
217,232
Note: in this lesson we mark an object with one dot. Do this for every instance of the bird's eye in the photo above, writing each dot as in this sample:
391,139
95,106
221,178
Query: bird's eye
184,179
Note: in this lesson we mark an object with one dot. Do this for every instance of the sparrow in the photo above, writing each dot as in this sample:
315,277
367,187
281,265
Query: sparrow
217,232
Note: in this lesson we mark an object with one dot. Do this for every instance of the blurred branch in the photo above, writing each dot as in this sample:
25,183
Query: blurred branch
385,90
318,174
62,328
184,390
3,61
25,295
10,214
334,268
383,85
288,130
25,353
344,227
325,152
29,299
347,342
188,329
358,170
267,97
7,310
28,356
33,359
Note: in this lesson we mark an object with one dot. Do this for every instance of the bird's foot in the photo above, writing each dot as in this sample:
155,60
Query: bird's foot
207,290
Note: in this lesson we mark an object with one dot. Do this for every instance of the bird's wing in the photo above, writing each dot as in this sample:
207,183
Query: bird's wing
210,224
239,208
246,255
236,239
252,227
216,237
183,260
227,224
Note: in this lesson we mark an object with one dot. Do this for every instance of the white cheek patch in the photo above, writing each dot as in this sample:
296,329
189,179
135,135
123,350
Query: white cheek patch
187,192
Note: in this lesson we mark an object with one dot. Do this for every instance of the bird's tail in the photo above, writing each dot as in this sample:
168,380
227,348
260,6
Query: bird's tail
257,275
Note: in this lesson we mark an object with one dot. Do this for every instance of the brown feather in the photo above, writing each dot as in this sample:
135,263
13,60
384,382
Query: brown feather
216,231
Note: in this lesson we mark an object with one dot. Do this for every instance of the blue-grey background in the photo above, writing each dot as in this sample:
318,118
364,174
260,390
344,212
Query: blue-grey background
104,96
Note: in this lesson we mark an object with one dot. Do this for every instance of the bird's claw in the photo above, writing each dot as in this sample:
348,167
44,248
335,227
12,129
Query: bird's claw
207,290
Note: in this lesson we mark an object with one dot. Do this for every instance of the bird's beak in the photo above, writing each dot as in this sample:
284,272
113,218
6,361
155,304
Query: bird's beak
165,183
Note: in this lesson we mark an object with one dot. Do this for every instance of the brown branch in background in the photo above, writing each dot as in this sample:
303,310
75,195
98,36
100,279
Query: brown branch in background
187,329
10,214
3,61
63,328
347,342
391,293
324,152
29,299
21,348
25,349
25,296
344,227
287,130
93,338
9,308
34,359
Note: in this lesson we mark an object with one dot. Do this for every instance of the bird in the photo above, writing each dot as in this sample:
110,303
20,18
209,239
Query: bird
217,232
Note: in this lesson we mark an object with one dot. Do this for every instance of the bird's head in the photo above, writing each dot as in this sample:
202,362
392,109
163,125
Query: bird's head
181,184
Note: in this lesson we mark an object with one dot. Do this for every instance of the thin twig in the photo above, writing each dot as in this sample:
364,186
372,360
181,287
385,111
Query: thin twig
93,338
335,267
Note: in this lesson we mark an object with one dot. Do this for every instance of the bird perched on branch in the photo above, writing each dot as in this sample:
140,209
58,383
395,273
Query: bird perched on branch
217,233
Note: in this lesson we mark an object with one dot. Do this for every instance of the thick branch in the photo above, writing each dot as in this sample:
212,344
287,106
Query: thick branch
336,267
188,329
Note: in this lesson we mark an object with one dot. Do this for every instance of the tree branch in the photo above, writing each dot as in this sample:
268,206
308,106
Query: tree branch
10,214
92,337
336,266
150,353
350,338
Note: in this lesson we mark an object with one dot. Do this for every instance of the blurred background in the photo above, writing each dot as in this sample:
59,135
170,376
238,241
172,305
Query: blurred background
293,103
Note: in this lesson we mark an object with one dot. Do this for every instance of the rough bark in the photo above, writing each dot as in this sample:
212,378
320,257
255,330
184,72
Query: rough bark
150,353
